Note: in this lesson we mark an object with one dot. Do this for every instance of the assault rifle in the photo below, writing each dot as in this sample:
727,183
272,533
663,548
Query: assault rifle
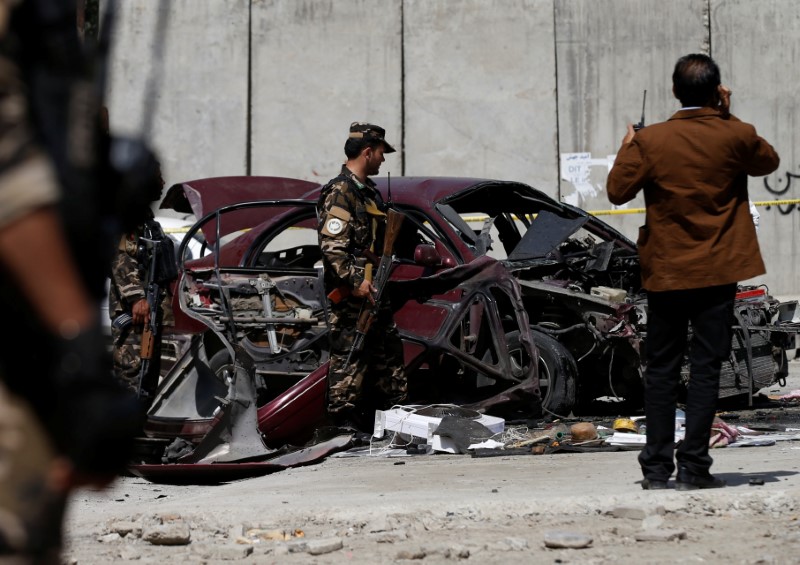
369,310
158,251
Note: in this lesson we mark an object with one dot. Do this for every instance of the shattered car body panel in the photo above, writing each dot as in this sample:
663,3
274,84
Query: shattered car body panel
564,259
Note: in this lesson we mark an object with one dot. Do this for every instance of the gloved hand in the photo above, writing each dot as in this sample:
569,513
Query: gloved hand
96,417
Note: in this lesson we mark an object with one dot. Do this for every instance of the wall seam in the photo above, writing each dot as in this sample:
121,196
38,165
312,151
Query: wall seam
248,166
402,89
558,121
708,28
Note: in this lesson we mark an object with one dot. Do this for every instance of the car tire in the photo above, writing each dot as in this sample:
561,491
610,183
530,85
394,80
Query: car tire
558,374
219,361
222,360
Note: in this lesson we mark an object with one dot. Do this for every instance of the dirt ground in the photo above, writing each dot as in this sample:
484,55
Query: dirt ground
455,508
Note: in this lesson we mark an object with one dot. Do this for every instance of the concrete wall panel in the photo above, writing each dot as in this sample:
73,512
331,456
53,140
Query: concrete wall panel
199,111
319,65
480,89
609,52
757,45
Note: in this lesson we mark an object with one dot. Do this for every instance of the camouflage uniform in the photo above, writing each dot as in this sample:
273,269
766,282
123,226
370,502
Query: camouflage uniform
127,287
30,513
351,220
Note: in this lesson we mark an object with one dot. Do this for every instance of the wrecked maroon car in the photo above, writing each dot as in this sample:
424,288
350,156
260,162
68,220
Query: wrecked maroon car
257,308
482,268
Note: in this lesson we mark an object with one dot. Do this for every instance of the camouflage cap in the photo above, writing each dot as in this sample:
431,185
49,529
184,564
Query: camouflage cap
360,130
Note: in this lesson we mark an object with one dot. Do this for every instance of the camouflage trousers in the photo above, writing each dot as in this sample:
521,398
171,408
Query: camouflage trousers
31,513
375,378
127,359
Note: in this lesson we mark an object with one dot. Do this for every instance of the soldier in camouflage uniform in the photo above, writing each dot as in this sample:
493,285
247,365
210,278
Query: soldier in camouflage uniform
127,296
352,220
39,281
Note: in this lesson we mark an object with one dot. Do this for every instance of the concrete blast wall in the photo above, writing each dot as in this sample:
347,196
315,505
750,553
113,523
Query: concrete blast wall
531,90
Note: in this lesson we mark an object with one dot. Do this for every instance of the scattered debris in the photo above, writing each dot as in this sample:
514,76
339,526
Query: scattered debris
225,552
125,528
508,544
660,535
792,395
411,554
636,512
323,546
722,434
652,522
167,530
447,428
626,425
273,535
583,431
566,540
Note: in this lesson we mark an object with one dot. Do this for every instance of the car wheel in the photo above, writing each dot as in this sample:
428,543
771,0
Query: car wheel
557,375
220,361
516,356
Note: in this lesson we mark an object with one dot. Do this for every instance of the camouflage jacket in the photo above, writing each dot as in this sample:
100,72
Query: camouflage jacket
127,276
351,219
129,280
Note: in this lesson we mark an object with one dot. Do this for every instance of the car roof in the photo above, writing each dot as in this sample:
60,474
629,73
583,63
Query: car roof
426,189
201,196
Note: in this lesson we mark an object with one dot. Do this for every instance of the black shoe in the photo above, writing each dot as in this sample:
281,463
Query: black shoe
653,484
685,481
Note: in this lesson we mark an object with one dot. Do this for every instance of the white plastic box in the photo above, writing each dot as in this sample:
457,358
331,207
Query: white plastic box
408,424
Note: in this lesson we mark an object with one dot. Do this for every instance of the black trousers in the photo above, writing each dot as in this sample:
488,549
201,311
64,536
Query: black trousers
710,312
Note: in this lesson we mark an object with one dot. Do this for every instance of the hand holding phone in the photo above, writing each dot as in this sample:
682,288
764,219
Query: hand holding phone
724,98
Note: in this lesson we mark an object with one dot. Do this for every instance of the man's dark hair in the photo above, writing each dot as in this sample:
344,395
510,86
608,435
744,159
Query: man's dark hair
695,80
354,146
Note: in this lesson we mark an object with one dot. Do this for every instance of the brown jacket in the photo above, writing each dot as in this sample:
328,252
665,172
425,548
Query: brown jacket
693,170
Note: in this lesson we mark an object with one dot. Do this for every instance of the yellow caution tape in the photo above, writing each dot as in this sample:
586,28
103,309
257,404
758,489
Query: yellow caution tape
176,230
777,202
616,212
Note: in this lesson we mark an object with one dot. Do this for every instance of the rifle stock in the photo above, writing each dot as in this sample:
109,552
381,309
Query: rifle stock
151,336
147,344
394,220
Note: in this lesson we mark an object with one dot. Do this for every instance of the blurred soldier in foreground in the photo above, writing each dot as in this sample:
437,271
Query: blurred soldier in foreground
352,222
64,420
698,241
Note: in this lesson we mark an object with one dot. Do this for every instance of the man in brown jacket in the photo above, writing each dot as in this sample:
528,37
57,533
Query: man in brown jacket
698,241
